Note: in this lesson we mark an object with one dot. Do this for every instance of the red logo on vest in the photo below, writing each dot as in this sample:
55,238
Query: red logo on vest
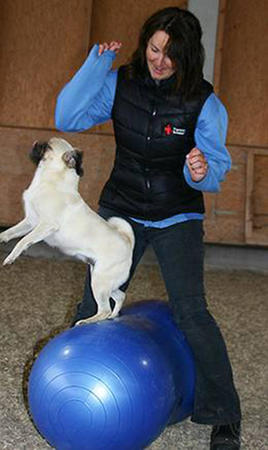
168,130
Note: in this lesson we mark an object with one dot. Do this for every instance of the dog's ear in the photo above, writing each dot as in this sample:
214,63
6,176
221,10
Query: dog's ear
78,163
73,160
38,151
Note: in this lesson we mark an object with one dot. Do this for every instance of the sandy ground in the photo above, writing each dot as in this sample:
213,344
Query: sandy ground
38,298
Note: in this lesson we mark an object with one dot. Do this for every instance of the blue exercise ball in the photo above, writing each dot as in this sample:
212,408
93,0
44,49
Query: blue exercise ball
115,384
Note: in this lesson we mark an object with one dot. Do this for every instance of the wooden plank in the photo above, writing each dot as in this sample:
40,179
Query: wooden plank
42,44
243,75
226,223
256,222
225,220
219,46
239,213
249,193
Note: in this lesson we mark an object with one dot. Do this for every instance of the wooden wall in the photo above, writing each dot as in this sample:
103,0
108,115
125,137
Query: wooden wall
43,43
39,40
240,213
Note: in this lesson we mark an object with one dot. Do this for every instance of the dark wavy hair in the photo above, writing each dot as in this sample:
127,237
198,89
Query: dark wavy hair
184,48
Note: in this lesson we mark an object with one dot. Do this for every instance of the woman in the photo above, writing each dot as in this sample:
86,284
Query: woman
170,130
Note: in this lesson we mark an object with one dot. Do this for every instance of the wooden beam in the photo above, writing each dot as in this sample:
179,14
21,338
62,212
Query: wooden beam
219,45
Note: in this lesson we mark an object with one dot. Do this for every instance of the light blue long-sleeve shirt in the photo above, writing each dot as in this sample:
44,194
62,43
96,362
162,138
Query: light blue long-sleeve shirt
87,100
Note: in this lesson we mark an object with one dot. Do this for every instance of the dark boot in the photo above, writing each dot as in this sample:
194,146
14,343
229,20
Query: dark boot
225,437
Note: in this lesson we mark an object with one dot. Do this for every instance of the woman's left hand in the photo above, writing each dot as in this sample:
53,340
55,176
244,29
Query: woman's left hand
197,164
114,46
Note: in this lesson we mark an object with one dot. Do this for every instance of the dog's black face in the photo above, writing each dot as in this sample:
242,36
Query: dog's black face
78,156
38,151
72,158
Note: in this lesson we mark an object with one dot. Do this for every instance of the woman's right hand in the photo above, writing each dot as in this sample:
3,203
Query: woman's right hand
113,46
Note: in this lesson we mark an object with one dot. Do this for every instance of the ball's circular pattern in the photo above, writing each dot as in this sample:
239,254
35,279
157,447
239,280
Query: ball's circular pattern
113,385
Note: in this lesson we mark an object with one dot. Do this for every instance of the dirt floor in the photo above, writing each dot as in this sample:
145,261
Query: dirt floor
38,299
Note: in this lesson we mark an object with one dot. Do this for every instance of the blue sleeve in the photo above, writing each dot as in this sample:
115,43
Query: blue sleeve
87,99
210,136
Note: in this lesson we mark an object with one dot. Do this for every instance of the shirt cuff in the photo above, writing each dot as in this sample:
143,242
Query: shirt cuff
207,184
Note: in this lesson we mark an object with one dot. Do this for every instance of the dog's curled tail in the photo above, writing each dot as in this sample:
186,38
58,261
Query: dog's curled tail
124,228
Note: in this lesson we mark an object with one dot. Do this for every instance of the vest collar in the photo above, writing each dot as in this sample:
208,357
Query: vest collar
166,86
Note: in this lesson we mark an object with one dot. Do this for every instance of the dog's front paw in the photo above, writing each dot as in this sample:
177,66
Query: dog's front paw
80,322
9,260
4,237
97,318
114,314
86,321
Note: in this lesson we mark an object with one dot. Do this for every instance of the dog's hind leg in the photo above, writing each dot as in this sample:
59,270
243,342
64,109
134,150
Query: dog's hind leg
101,288
20,229
118,296
39,233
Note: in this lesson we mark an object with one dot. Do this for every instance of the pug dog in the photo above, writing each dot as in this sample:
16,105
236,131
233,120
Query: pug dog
56,213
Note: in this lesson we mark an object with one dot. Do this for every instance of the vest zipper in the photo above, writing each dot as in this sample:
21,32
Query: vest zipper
150,129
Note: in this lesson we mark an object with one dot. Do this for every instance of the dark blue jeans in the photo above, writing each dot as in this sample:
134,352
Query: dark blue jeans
180,253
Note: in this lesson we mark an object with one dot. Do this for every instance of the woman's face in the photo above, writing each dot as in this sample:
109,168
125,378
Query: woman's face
159,64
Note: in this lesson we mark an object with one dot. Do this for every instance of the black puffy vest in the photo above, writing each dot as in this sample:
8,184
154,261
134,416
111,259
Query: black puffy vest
154,131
